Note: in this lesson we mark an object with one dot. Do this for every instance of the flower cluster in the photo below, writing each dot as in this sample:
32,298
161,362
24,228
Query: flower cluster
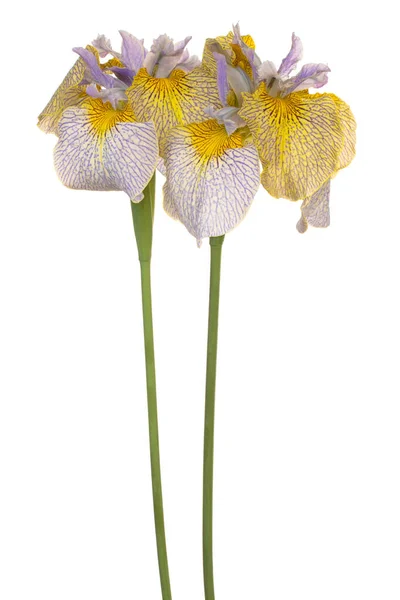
206,125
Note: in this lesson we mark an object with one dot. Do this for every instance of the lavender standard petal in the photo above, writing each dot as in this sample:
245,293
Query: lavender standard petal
169,61
98,75
239,81
222,76
291,60
124,74
161,46
310,75
132,51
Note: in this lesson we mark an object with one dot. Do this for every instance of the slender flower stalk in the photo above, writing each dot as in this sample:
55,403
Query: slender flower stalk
143,214
209,419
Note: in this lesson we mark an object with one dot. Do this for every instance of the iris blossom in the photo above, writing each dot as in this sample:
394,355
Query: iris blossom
303,139
212,167
101,144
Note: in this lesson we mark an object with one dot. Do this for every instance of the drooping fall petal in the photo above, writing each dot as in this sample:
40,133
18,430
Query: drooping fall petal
294,56
299,139
100,148
212,178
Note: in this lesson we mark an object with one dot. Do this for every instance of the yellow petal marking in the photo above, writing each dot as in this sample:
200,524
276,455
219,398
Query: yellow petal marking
210,139
179,99
299,140
103,117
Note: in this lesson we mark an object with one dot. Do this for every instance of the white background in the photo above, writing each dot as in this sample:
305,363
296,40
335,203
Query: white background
307,491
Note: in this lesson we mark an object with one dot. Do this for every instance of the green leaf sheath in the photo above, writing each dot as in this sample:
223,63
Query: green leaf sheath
143,214
208,465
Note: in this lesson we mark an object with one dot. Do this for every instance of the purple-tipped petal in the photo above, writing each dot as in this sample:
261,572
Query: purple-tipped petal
291,60
222,76
310,75
97,74
132,51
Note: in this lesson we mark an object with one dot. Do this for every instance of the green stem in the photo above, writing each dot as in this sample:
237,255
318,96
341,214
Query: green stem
143,213
208,465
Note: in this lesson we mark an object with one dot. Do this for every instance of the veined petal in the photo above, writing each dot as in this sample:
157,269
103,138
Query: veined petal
315,209
212,178
67,94
98,75
168,202
239,52
299,139
348,125
220,44
291,60
100,148
178,100
132,51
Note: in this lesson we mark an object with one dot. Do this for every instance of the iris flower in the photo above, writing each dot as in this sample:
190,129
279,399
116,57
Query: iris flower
212,167
303,139
101,145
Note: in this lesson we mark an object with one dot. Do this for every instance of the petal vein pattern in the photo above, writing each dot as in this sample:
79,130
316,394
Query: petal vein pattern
68,93
179,100
102,149
299,139
211,178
